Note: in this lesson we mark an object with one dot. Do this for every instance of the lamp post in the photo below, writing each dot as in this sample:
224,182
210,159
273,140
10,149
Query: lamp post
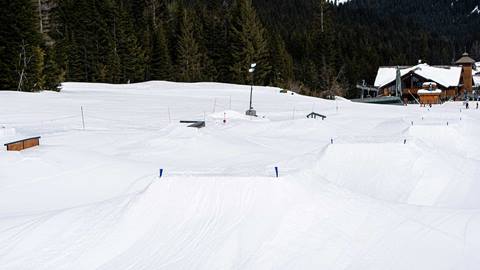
251,111
398,82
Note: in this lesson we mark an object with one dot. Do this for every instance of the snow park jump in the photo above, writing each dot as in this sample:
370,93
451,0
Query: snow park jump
137,189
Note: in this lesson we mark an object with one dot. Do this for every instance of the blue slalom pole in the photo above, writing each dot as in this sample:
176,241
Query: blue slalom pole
276,171
161,173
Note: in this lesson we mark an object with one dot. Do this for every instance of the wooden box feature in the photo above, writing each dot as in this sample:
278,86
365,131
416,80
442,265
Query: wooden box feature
23,144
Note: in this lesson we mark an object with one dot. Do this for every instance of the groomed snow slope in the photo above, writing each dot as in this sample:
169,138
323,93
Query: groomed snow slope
92,199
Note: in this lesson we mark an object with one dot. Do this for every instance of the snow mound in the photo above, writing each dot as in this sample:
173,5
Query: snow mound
415,175
231,115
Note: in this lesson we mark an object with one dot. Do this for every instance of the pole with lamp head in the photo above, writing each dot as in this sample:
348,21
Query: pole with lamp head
251,111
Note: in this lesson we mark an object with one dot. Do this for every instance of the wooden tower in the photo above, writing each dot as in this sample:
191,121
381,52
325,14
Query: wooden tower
467,72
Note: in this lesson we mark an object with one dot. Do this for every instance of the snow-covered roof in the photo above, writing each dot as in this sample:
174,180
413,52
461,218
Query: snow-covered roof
476,80
445,76
424,91
429,84
338,2
465,59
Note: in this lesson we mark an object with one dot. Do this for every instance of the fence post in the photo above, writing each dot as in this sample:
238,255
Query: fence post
169,116
83,118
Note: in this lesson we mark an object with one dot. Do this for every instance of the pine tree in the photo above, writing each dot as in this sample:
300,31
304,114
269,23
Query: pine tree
161,65
248,45
53,74
38,60
127,48
213,37
282,63
325,49
189,57
19,41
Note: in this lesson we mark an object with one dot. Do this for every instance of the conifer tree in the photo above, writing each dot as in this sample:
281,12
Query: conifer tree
189,57
53,74
213,37
282,63
161,65
128,49
248,45
38,60
325,49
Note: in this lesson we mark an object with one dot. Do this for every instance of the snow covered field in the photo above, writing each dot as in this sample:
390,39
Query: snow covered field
92,199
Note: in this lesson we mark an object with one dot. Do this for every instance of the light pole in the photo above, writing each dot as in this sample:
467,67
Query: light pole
398,82
251,111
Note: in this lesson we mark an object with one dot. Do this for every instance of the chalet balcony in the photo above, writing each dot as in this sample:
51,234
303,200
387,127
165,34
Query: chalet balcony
407,91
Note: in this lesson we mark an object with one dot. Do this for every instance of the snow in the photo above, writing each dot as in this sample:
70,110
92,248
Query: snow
445,76
338,2
476,80
4,131
92,199
475,10
424,91
429,84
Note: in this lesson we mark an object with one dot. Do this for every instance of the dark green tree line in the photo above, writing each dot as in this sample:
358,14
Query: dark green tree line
311,46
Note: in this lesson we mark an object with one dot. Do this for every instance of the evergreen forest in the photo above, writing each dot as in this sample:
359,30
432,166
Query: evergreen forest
314,47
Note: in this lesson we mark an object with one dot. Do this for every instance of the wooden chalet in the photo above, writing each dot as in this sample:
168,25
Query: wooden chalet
454,81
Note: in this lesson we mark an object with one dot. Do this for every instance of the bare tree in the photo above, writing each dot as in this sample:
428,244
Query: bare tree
23,62
334,84
322,2
153,6
40,15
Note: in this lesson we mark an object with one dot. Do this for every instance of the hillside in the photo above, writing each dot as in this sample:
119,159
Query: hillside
92,198
124,41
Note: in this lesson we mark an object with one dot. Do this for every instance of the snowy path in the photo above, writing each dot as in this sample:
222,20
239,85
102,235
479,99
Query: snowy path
92,199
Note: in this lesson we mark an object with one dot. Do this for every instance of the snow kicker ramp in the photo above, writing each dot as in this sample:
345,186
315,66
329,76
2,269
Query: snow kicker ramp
224,223
433,168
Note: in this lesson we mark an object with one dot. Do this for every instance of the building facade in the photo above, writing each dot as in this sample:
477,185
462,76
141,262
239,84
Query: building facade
455,82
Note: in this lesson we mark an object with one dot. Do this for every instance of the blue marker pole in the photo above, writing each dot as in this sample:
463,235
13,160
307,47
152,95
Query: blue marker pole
276,171
161,173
